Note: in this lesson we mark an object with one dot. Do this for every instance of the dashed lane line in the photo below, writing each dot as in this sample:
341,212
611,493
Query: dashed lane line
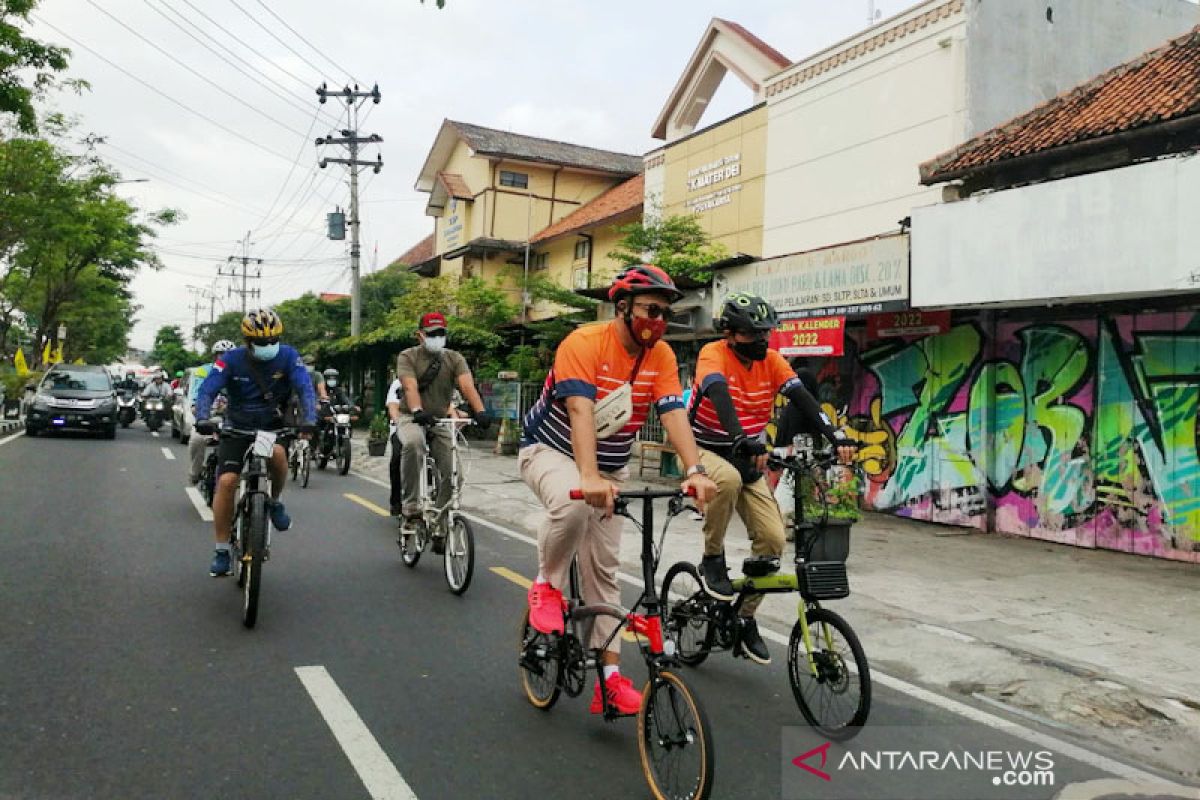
167,454
367,504
515,577
198,501
377,772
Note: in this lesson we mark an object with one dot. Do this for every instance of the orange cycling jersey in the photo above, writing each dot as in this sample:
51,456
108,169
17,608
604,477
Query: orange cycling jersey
752,390
591,362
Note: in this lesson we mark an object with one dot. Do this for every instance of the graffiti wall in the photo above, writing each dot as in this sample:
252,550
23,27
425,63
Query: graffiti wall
1080,431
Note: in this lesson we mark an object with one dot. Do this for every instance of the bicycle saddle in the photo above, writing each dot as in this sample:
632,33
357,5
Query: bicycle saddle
760,566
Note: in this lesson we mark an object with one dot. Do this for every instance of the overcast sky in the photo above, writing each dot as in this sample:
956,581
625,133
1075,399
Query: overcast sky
584,71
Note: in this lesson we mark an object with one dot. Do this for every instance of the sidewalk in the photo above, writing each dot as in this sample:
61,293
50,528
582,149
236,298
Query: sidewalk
1098,644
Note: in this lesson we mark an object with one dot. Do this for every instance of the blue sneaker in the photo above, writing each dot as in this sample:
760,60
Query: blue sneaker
221,565
279,516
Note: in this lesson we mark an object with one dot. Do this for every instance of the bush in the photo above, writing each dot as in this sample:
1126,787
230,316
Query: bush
378,430
839,488
14,384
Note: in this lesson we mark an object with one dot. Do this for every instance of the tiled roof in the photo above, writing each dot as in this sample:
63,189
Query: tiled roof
1159,86
329,297
455,185
620,199
421,251
491,142
758,44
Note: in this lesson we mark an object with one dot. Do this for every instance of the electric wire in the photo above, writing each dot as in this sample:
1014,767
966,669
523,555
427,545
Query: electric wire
274,36
314,48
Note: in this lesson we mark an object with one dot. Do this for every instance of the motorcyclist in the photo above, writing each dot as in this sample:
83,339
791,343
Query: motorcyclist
157,388
197,443
258,378
318,381
130,384
337,396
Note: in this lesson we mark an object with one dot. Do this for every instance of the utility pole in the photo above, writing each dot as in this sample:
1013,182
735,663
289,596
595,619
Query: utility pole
246,261
206,293
352,141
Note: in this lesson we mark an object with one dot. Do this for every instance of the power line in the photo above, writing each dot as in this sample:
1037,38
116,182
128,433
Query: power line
198,74
159,92
287,95
295,163
249,47
274,36
315,49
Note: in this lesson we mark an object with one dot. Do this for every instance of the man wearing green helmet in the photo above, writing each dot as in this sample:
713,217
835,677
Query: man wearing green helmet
737,379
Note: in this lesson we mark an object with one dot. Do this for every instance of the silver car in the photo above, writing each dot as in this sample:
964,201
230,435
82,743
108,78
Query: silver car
182,418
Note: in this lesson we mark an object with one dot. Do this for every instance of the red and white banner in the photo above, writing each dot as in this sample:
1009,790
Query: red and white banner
821,336
907,323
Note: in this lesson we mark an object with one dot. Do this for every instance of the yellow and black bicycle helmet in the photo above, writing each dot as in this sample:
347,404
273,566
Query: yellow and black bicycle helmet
262,323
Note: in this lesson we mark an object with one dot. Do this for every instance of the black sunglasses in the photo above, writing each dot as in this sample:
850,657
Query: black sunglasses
654,310
267,341
436,332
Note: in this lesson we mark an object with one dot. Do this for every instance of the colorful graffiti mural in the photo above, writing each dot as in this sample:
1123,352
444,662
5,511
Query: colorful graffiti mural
1080,431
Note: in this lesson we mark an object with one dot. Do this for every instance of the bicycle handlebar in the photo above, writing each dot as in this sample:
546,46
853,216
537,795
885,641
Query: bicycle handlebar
643,494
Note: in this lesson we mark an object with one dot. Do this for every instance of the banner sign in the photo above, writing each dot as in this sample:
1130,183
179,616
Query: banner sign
907,323
859,278
810,337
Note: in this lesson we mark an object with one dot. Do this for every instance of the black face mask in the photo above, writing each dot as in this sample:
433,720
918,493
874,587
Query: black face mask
754,351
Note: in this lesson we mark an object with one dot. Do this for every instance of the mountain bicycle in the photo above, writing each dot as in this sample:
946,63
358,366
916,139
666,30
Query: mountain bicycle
674,740
300,461
445,521
250,543
827,667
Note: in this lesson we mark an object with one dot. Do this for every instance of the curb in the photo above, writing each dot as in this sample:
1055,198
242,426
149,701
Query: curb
10,425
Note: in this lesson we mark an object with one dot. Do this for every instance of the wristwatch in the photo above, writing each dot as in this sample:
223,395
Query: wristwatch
695,469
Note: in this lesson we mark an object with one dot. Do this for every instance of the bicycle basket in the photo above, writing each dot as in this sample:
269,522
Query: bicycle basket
823,580
828,542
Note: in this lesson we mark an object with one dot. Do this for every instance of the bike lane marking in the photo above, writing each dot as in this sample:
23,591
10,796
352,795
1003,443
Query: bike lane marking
198,501
367,504
1072,751
8,439
154,434
378,774
167,454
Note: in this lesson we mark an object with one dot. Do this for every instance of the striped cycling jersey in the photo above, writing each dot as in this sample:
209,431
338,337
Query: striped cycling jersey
591,362
752,390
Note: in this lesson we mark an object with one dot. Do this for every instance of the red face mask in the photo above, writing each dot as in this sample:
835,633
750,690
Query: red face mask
646,331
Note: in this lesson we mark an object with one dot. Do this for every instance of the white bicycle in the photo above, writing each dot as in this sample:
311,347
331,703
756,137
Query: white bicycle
458,537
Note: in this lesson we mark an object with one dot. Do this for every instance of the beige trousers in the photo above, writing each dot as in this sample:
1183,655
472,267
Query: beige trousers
573,528
756,506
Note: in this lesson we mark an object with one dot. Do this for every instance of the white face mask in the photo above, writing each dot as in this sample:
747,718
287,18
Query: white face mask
435,344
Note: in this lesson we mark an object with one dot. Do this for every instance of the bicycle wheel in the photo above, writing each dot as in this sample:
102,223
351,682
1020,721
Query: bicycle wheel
674,740
460,555
540,666
343,457
252,558
837,699
294,463
685,614
412,545
305,468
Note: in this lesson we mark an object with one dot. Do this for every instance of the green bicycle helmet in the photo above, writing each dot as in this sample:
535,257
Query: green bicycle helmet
747,312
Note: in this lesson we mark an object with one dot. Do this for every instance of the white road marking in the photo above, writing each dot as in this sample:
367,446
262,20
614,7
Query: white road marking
374,768
168,454
154,434
8,439
1080,754
198,501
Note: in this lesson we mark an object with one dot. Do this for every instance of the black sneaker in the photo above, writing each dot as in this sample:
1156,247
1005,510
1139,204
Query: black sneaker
438,544
714,577
753,645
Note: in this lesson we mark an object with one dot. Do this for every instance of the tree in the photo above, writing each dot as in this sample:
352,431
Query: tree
379,292
27,66
677,244
308,320
227,326
169,350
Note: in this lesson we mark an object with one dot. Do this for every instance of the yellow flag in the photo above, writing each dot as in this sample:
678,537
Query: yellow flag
19,363
77,361
46,353
58,354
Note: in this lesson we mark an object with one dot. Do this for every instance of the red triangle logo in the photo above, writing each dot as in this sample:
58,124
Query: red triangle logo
823,751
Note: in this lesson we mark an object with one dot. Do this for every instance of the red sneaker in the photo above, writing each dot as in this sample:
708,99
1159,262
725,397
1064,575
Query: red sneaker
546,607
621,694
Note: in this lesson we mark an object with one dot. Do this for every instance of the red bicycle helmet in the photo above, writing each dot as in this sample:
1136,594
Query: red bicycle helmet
643,279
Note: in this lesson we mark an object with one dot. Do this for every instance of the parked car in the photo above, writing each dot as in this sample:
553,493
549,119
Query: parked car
73,396
182,418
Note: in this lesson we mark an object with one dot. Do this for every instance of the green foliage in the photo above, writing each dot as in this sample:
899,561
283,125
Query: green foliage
27,67
379,427
839,490
677,244
379,292
14,384
309,321
541,288
170,352
227,326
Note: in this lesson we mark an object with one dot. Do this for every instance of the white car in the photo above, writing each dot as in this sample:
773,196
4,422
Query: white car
182,418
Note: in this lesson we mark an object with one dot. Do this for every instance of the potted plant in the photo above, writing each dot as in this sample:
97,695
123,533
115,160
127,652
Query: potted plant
831,505
377,434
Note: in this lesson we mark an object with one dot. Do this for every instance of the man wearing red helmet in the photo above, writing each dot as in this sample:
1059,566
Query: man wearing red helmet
579,434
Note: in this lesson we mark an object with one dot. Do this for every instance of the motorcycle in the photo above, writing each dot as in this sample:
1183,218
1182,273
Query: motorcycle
127,408
335,440
152,412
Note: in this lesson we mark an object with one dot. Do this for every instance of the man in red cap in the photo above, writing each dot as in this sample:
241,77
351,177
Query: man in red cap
428,374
